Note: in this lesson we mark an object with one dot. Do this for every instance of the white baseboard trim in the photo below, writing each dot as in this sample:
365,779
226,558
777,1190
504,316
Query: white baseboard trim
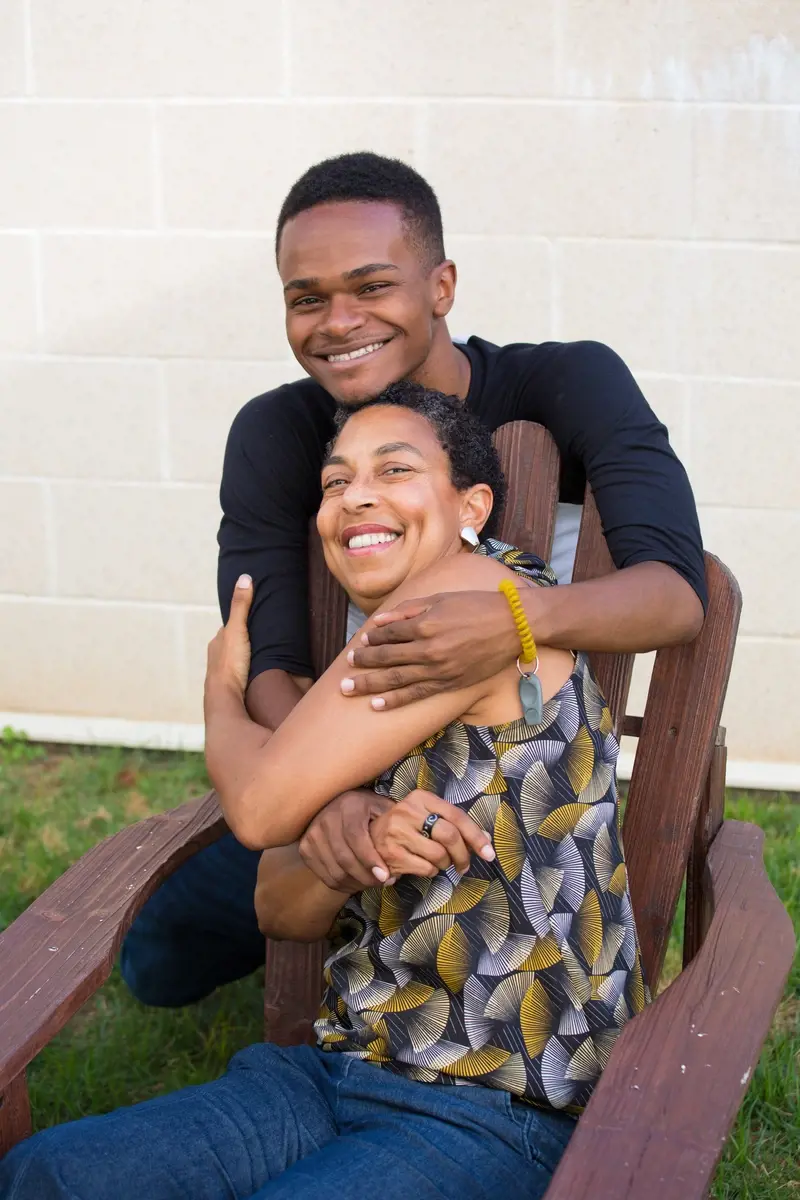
105,731
166,735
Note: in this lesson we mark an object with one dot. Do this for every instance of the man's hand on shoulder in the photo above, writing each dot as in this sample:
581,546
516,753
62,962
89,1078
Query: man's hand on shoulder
448,641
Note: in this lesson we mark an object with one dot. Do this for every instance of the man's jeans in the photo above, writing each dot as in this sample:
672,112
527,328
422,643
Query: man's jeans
198,931
298,1124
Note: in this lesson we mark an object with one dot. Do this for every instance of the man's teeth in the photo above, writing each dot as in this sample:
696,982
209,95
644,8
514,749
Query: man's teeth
332,358
370,539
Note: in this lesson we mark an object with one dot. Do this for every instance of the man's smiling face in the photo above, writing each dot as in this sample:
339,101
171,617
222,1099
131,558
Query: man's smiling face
362,302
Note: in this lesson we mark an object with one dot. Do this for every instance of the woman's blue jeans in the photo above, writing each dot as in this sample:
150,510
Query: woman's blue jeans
298,1124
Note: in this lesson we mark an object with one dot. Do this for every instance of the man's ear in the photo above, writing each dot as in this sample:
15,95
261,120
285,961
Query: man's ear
443,281
476,506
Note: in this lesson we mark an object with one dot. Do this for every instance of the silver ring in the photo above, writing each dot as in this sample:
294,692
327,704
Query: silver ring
428,824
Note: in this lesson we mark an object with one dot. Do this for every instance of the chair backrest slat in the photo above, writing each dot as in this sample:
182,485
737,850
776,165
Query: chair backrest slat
592,559
681,716
530,464
327,606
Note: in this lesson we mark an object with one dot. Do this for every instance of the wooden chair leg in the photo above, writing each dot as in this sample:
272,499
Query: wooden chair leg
710,816
293,991
15,1114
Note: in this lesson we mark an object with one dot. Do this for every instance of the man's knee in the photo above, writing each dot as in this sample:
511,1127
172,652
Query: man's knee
32,1170
152,972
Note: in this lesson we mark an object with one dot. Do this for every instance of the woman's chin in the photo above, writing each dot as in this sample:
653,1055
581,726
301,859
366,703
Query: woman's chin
368,588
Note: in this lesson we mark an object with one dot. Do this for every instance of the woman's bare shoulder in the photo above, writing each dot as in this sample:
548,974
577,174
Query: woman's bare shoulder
457,573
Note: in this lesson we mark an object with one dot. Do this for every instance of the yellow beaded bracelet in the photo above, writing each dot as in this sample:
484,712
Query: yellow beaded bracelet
509,590
530,689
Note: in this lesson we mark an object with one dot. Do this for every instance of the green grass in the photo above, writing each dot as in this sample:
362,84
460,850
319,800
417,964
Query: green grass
56,803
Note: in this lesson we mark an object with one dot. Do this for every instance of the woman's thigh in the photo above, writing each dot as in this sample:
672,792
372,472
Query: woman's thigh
219,1141
417,1141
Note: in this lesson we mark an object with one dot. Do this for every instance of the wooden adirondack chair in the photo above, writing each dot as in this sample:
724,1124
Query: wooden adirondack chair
658,1119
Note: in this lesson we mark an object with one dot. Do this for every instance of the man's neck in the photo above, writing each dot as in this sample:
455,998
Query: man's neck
446,369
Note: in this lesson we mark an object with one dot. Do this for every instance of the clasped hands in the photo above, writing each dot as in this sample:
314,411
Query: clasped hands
361,838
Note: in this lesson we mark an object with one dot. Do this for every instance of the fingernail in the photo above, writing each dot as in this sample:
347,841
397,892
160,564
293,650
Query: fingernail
351,657
488,853
381,875
347,685
391,881
378,702
243,581
365,639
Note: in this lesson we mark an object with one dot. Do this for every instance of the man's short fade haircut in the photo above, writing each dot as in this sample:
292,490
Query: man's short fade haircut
371,178
465,440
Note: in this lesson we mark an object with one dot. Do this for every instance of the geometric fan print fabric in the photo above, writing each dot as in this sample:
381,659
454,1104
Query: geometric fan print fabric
520,974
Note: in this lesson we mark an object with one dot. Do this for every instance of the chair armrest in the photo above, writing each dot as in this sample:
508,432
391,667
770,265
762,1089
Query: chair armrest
62,948
659,1116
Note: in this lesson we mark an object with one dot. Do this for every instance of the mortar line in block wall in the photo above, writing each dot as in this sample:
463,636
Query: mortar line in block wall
143,359
640,371
94,481
279,100
178,232
159,606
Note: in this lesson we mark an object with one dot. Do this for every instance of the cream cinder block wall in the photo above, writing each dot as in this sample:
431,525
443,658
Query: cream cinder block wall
619,171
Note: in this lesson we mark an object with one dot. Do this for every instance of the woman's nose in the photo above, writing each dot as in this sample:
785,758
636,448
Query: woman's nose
358,496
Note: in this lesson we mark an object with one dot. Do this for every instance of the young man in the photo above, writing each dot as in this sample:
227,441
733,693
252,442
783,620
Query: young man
368,289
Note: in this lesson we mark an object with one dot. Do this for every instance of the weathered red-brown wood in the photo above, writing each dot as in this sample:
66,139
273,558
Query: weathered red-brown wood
593,560
15,1113
530,464
710,816
62,948
657,1121
681,717
327,606
293,991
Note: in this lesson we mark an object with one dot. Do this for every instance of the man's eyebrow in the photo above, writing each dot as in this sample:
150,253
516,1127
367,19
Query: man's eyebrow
335,460
303,285
369,269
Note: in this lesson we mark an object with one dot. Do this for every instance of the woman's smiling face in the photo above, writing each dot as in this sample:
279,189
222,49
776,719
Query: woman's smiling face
389,508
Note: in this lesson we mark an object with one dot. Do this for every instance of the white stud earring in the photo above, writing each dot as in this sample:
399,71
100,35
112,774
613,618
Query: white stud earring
469,536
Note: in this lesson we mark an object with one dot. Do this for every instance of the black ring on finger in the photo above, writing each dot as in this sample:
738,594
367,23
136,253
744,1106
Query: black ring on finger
428,824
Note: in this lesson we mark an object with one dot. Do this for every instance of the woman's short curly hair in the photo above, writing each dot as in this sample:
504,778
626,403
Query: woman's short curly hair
466,442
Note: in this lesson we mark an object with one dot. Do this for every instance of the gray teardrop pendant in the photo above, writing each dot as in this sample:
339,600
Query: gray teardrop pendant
530,694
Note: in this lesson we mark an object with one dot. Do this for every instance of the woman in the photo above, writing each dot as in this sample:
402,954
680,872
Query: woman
501,954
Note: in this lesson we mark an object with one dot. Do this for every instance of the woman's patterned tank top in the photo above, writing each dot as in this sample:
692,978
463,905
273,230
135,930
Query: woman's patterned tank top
520,974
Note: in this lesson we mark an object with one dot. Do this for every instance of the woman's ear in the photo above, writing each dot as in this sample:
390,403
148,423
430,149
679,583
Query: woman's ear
476,506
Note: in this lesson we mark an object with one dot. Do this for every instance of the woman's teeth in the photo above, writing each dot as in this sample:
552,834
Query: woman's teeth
336,358
370,539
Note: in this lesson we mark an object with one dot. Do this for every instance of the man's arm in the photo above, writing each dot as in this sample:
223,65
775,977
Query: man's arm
272,695
269,491
292,904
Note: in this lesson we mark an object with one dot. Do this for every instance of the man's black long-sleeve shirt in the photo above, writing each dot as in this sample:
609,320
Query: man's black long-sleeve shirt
582,392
